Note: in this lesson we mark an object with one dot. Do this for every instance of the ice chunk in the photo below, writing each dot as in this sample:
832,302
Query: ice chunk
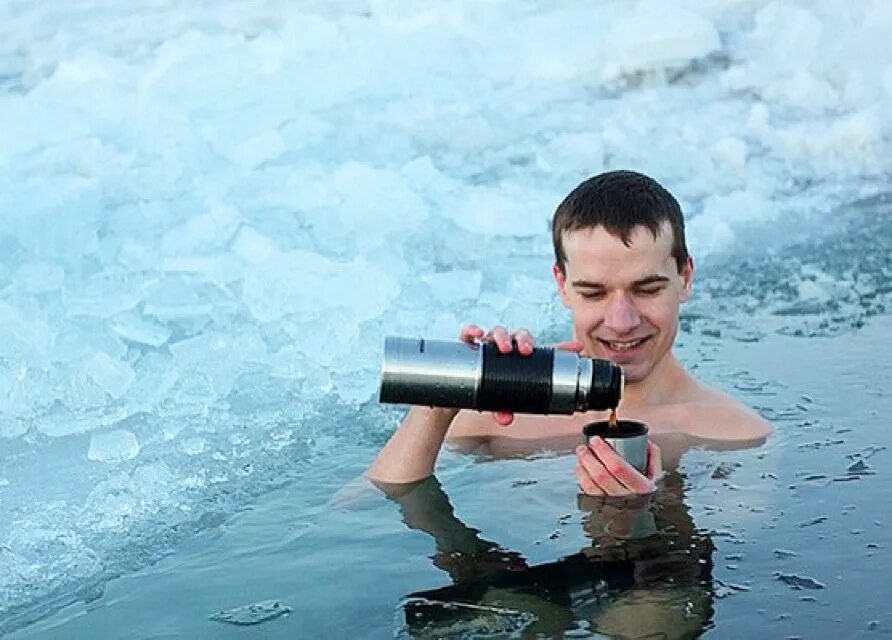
219,268
82,339
183,298
658,35
39,277
156,374
111,375
219,357
506,210
12,426
24,333
113,446
453,286
258,149
725,216
311,285
116,501
252,613
252,246
202,233
70,416
193,446
133,328
51,230
358,205
730,152
106,293
573,153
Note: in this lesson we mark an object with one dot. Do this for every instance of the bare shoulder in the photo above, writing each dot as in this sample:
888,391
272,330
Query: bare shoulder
713,415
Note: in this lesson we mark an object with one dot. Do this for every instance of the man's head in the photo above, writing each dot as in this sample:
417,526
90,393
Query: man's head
619,201
622,268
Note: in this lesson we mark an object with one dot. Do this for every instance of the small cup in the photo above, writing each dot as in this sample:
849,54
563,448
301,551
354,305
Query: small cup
628,438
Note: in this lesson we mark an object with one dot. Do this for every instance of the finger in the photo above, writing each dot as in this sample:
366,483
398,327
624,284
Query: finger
599,474
525,341
504,418
624,473
502,339
471,333
654,462
586,484
570,345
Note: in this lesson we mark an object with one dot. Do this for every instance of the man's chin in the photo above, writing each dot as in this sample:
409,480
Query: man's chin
632,371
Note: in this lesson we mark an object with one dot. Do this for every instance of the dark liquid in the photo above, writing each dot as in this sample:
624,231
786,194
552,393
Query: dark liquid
611,421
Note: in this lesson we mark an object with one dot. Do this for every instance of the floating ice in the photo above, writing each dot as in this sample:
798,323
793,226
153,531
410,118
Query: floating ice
799,582
113,446
449,287
105,294
658,35
508,210
252,613
112,376
140,330
39,277
308,284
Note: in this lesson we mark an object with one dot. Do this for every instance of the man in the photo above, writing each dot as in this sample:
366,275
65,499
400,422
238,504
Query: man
622,269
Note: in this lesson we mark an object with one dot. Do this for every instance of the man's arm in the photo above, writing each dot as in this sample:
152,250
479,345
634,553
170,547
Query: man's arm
411,452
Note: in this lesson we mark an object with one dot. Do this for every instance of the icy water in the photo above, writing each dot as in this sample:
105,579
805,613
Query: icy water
798,527
212,214
789,539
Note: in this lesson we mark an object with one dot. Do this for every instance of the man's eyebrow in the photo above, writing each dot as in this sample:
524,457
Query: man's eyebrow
651,279
587,284
643,282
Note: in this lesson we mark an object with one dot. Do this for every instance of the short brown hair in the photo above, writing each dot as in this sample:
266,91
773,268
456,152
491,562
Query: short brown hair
619,201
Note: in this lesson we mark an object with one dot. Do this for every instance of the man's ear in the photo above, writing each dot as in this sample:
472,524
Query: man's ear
560,280
687,277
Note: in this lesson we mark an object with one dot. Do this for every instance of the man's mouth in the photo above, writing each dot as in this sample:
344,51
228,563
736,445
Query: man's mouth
620,346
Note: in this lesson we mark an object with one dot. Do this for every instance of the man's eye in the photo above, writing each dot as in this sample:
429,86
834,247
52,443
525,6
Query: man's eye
592,295
650,291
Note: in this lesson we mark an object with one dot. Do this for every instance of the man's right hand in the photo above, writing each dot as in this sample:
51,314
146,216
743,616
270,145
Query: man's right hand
505,342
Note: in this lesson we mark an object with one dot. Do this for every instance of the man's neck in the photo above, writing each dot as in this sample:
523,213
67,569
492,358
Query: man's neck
665,384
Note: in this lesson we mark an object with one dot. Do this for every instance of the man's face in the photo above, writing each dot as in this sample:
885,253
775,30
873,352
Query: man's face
624,301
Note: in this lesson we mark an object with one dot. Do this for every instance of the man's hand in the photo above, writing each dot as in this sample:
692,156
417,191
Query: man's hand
601,471
505,341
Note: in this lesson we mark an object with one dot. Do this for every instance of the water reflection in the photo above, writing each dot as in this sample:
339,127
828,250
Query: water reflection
646,574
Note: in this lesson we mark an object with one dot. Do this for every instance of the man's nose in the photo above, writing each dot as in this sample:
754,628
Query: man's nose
622,316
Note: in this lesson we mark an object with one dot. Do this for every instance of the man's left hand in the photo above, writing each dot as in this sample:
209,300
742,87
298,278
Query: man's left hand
601,471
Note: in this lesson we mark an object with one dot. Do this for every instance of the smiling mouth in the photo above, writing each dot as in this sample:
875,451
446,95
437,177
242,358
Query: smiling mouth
623,345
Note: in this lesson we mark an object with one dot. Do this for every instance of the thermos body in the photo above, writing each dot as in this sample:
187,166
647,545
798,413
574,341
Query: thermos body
477,376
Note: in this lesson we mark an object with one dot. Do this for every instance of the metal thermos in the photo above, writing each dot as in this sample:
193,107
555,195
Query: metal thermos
476,376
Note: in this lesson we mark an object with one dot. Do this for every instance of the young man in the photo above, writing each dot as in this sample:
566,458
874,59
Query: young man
622,269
